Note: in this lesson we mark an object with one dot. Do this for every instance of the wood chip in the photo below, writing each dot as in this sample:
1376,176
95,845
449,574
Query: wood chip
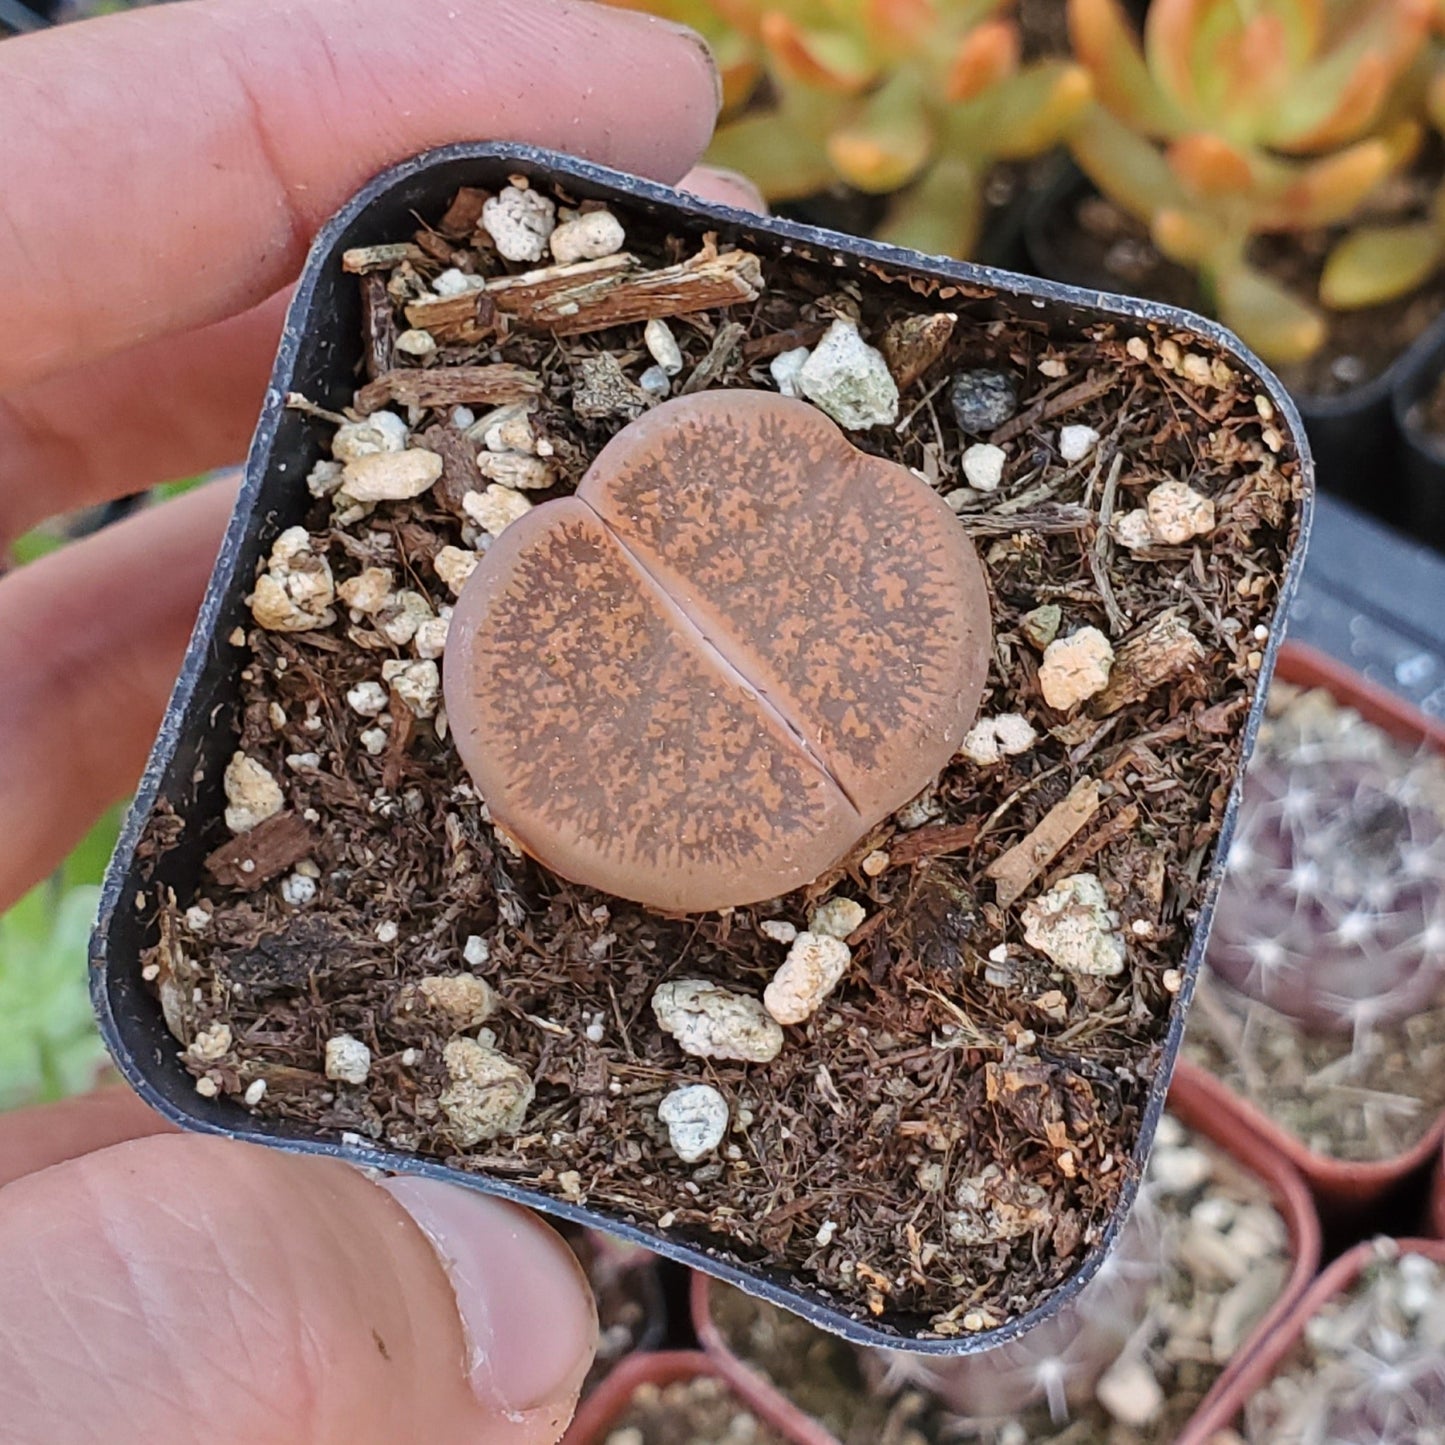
1016,871
259,855
930,842
1049,406
472,317
912,344
446,386
1166,649
593,295
460,473
1121,823
361,259
463,215
378,324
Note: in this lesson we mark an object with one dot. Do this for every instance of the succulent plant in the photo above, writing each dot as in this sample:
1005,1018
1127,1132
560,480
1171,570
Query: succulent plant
1231,120
1377,263
915,99
1332,910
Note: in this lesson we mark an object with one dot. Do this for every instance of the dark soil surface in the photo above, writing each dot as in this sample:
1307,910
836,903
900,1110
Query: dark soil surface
1093,243
943,1141
1200,1271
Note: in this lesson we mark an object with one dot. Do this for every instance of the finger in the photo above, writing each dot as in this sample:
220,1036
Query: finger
726,187
187,1289
162,410
33,1139
91,639
270,115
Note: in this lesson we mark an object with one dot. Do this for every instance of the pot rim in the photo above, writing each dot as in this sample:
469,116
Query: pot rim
129,1016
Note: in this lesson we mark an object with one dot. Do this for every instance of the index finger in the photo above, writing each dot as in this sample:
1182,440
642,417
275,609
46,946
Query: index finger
166,168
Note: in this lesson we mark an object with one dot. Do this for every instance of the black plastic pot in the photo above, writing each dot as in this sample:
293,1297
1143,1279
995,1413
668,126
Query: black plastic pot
319,353
1422,453
1354,434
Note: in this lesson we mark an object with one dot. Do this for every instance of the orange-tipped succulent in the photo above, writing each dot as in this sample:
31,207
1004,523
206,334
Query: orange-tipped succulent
914,99
1235,119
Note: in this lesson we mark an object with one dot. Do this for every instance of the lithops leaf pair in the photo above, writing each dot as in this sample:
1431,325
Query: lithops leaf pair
699,681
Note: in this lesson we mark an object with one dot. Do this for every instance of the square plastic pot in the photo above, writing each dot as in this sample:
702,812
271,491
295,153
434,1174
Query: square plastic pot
319,353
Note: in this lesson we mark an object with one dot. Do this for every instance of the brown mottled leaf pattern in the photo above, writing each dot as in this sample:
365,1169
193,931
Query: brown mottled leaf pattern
699,681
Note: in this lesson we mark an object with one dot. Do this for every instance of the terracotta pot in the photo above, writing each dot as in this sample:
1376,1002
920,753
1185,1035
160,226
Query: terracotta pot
1349,1193
632,1272
606,1406
1436,1218
1200,1103
1222,1408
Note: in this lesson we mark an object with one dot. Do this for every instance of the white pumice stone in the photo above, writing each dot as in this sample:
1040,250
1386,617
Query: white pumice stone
516,470
983,466
1076,442
417,684
252,794
520,223
778,929
587,238
391,476
812,970
994,738
710,1022
488,1096
849,380
1177,513
837,918
1073,925
662,345
348,1060
368,699
495,509
382,431
454,565
787,367
1076,668
696,1116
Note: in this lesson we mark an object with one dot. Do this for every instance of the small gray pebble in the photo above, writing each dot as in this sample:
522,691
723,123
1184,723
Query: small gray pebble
982,400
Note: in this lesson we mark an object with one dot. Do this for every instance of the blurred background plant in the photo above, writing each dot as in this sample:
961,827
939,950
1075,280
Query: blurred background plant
913,100
1224,122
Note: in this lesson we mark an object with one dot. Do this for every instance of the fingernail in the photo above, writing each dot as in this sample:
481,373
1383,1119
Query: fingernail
526,1308
693,38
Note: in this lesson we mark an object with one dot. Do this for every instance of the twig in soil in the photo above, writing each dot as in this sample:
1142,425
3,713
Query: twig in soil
1121,823
1166,649
1102,550
1046,406
593,295
361,259
1057,517
296,402
262,852
448,386
1015,872
719,354
379,325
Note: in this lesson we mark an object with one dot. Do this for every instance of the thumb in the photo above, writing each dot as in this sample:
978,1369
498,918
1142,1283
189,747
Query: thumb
186,1289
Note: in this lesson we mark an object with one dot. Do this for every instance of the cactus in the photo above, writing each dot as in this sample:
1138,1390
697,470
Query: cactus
1236,119
1332,911
912,99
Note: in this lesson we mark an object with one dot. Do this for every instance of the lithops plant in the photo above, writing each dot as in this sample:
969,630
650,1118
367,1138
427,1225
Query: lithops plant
915,99
1229,121
700,681
1332,910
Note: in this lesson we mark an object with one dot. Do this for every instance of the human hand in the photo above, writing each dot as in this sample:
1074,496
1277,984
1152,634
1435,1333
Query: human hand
162,174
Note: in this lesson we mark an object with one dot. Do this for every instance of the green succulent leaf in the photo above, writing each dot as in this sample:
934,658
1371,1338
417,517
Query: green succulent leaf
1129,169
1378,263
1022,116
941,214
1274,322
1105,43
785,162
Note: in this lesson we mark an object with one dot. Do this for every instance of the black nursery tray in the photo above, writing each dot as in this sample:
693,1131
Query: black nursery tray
1010,1063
